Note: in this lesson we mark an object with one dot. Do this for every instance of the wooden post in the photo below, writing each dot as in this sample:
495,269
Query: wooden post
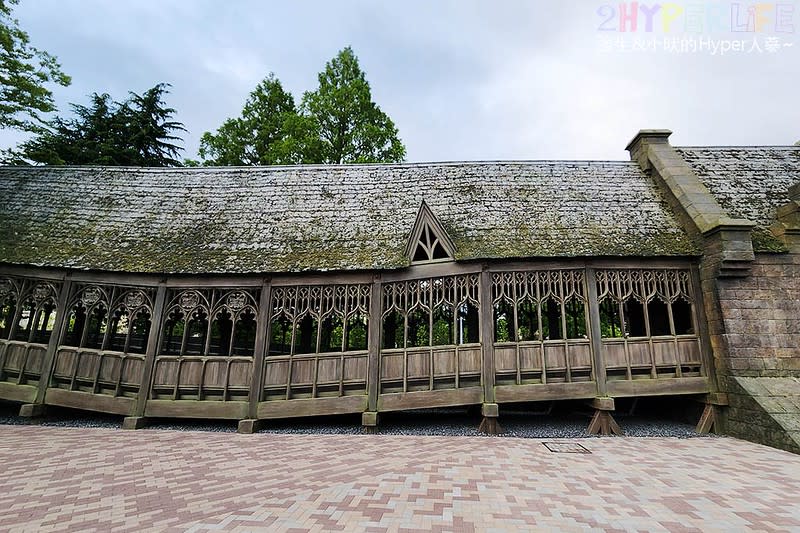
706,351
62,314
369,418
489,410
596,334
251,423
137,420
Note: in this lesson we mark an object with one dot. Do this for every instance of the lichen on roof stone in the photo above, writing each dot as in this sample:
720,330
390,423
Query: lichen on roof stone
749,182
348,217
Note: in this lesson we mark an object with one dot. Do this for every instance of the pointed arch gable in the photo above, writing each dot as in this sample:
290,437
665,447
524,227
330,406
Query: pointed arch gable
429,241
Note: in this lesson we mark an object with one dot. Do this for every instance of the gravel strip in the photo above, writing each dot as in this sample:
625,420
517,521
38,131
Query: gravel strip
444,422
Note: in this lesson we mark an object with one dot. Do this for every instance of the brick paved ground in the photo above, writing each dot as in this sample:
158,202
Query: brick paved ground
55,479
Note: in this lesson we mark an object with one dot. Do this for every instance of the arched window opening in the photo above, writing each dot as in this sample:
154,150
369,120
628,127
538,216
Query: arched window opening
576,318
357,332
442,334
634,318
331,334
468,324
280,342
418,329
25,322
528,321
96,325
682,317
244,334
305,337
7,312
196,332
610,322
75,325
551,320
504,326
658,315
393,330
119,330
139,332
173,333
221,329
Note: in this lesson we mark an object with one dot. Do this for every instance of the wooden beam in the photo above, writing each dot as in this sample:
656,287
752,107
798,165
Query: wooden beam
17,393
428,399
197,409
659,387
90,402
545,392
312,407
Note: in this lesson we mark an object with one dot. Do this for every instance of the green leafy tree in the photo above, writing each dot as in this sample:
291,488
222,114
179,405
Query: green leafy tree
262,135
337,123
24,72
137,132
351,128
151,128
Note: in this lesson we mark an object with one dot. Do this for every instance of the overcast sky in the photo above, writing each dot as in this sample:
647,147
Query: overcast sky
463,80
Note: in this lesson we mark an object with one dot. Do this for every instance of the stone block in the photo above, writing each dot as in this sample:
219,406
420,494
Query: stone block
134,422
369,419
32,410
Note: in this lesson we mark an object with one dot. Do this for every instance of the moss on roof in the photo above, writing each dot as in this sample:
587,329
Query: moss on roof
749,182
286,219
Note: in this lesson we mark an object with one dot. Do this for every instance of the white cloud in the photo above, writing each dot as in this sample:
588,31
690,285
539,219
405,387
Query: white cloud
462,79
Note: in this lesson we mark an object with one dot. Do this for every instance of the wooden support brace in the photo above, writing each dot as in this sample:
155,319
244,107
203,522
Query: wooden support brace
134,422
489,424
707,420
603,424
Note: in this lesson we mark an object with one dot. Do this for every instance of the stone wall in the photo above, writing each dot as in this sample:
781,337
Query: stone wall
761,318
756,337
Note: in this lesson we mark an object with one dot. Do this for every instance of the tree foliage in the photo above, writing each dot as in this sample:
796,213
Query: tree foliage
137,132
336,123
24,72
351,127
260,136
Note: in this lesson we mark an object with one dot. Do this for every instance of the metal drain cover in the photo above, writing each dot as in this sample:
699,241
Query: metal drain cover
565,447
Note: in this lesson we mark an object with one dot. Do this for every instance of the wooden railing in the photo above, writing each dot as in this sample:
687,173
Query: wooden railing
550,339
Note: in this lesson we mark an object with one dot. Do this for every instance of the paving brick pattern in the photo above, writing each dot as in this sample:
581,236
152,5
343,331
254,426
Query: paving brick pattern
57,479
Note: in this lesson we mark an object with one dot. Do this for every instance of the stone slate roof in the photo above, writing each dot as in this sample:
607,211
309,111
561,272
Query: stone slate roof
748,182
349,217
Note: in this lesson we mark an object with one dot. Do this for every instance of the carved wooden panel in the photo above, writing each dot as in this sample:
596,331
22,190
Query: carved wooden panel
317,341
28,314
430,334
540,327
648,323
207,345
104,340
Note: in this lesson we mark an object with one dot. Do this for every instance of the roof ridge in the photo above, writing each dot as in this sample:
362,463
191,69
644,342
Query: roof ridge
739,147
619,162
